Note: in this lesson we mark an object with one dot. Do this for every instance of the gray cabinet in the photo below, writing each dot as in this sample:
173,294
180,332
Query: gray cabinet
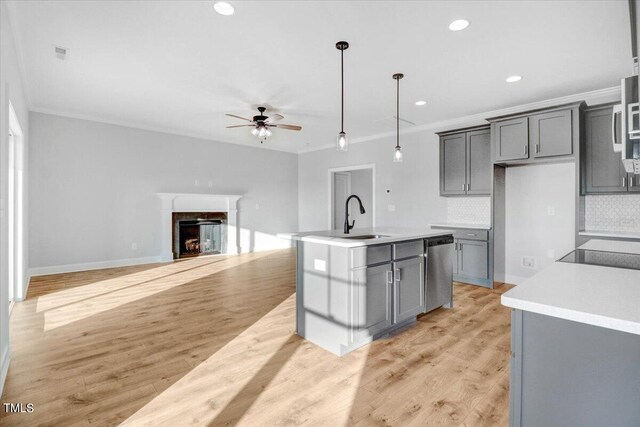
453,165
511,139
602,169
479,165
473,261
409,288
550,134
371,310
472,258
465,162
536,136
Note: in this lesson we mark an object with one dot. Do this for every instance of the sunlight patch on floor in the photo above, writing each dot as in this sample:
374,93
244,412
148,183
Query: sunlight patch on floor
71,305
205,392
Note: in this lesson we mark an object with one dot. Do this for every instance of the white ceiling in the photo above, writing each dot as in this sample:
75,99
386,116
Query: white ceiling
178,66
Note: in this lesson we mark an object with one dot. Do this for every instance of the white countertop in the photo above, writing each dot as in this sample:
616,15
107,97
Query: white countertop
615,234
458,225
391,234
600,296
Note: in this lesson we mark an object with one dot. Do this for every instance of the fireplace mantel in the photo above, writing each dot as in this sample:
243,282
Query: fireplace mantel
198,202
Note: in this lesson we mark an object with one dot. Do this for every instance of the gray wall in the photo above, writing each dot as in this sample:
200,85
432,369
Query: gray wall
413,184
11,90
361,185
93,188
529,229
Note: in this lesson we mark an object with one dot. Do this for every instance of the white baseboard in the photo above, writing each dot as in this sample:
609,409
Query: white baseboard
69,268
4,368
513,279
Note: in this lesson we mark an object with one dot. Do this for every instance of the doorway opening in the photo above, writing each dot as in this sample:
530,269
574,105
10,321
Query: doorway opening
15,205
345,181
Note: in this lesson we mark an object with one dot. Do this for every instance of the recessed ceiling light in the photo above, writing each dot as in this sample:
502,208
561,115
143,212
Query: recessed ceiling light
421,103
459,25
513,79
223,8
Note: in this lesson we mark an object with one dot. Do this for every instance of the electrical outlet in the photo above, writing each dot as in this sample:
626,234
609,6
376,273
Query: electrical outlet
626,222
210,183
551,210
391,208
257,206
551,253
197,182
134,246
529,262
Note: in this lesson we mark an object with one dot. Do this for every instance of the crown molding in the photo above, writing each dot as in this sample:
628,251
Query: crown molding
594,97
151,128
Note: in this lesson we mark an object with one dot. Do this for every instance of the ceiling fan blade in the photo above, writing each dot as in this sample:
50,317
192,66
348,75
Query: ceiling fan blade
274,118
290,127
239,126
238,117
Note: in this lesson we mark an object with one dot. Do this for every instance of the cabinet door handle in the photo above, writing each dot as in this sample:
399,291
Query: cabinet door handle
464,187
468,187
389,277
624,181
526,150
631,181
471,234
537,148
398,275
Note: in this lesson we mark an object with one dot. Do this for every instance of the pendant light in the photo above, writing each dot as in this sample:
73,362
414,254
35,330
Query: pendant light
342,143
397,154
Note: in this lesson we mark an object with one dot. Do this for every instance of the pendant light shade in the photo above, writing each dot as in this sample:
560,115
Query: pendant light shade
397,154
342,143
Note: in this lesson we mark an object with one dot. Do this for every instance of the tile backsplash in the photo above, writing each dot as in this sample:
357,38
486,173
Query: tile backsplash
469,210
612,213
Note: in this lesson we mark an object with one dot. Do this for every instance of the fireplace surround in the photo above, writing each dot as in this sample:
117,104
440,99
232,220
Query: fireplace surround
199,206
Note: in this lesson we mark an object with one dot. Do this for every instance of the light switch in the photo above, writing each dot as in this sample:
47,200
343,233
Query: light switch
391,208
320,264
551,253
551,211
197,182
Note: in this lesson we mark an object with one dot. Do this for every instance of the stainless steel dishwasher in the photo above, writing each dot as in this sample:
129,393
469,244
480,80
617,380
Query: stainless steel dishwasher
439,283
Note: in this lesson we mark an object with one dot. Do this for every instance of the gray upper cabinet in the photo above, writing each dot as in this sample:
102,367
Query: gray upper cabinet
602,170
550,134
479,162
537,136
465,162
511,139
453,164
372,300
409,288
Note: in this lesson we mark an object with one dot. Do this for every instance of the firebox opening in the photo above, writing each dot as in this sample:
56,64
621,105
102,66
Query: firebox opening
199,233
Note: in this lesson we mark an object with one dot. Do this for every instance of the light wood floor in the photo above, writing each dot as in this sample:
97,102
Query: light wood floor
210,341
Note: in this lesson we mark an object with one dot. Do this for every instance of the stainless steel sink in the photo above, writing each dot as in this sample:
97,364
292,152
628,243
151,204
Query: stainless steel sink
363,237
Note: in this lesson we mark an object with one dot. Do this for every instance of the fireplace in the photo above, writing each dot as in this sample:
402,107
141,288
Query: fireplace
199,233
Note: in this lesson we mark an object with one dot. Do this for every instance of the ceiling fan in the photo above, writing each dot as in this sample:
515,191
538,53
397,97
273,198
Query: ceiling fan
261,124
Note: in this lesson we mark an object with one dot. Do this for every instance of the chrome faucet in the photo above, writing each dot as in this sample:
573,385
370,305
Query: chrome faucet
348,227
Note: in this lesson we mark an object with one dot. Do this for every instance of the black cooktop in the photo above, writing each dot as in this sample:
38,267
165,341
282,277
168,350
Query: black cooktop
604,259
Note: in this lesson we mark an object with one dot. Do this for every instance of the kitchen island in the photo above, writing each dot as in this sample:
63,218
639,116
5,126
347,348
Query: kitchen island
575,340
354,288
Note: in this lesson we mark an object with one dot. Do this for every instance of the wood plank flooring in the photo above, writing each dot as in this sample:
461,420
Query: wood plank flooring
211,341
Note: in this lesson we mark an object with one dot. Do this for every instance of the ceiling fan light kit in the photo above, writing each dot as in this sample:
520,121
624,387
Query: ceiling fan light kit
342,143
397,154
262,124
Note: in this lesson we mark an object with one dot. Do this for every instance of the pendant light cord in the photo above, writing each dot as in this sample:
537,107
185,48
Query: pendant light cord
398,113
342,85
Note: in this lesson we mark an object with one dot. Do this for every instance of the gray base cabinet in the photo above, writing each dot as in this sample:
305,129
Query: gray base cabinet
602,171
409,288
347,297
565,373
473,260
